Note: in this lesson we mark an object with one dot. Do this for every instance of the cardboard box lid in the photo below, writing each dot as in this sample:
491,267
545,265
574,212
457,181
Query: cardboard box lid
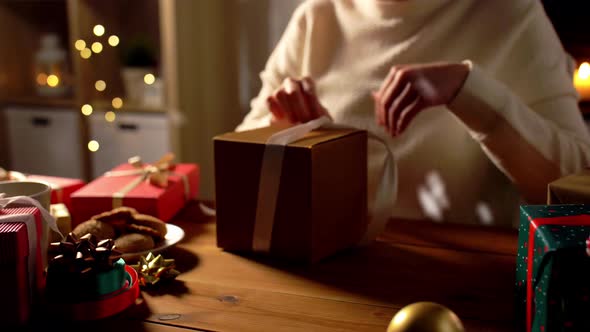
571,189
261,135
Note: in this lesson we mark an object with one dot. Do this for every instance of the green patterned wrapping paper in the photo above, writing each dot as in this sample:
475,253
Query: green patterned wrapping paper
553,269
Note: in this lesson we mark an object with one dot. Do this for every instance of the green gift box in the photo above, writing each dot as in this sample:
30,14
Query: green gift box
552,268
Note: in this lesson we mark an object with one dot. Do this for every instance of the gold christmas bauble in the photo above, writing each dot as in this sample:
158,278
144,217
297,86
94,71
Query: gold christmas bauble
425,317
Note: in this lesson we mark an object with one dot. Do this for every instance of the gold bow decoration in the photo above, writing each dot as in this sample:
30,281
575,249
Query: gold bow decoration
151,269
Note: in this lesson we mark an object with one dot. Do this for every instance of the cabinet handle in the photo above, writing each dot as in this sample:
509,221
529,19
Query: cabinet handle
128,126
38,121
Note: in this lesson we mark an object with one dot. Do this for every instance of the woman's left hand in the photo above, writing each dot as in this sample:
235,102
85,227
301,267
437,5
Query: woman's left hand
409,89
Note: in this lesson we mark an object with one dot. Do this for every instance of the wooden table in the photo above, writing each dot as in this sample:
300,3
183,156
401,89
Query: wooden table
468,269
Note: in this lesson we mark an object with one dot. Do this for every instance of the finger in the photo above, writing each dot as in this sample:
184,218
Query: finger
390,78
405,98
275,108
315,107
393,91
379,110
299,104
409,113
285,104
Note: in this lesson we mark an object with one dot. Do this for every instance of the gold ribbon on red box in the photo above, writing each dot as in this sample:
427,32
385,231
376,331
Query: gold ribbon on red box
156,174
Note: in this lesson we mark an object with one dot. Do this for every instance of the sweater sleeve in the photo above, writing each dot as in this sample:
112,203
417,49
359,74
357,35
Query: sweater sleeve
531,143
284,62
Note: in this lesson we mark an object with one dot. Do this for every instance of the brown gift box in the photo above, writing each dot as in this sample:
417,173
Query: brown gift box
321,206
570,189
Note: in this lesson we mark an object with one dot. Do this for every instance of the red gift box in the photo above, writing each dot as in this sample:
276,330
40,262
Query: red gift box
126,185
61,188
17,292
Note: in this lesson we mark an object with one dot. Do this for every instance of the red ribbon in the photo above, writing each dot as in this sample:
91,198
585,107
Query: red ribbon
578,220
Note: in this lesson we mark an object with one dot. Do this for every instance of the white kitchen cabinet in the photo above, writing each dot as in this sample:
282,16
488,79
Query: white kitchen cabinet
137,134
44,141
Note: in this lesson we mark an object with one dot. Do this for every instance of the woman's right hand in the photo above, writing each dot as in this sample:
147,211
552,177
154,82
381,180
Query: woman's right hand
295,102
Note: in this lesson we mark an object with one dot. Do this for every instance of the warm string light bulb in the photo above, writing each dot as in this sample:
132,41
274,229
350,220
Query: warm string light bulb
86,109
96,47
117,103
93,146
86,53
52,81
110,116
42,79
80,44
113,40
149,79
98,30
100,85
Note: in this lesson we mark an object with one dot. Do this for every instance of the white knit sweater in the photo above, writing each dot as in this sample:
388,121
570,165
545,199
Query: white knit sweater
517,107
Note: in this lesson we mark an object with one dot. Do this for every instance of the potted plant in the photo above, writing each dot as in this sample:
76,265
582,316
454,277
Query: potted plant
138,60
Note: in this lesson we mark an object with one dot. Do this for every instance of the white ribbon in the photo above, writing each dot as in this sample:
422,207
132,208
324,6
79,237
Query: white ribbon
270,175
29,220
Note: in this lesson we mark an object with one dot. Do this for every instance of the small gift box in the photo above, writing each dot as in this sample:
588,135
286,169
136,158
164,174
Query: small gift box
160,189
61,188
553,268
63,219
571,189
21,263
303,201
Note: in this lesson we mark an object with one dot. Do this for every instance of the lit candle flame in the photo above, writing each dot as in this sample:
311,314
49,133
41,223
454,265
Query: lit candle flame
584,71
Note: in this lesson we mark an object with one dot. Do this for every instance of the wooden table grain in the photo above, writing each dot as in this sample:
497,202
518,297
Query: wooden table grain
470,269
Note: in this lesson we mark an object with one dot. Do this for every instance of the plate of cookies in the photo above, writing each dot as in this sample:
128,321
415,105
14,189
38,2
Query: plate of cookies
135,234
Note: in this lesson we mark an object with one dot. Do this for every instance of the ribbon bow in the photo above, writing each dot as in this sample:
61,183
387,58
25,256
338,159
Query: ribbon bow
156,173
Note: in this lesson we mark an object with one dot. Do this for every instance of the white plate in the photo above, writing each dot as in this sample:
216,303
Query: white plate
173,235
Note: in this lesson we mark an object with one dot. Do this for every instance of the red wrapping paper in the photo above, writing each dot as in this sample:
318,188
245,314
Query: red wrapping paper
161,202
15,307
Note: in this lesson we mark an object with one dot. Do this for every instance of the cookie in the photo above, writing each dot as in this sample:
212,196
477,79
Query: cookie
118,217
147,224
134,242
101,230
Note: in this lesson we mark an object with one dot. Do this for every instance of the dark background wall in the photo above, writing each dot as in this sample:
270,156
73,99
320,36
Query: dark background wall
571,19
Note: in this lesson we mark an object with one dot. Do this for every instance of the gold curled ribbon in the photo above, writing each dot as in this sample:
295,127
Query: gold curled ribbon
156,173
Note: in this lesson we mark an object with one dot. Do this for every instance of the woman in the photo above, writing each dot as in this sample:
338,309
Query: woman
474,97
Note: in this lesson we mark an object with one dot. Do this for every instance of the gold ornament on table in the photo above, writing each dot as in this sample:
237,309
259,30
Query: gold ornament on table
425,317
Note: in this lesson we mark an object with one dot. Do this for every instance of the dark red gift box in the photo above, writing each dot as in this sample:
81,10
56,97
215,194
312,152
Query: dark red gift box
15,307
101,194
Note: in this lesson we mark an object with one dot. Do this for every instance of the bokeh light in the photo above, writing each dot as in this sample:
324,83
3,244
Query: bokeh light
113,40
100,85
96,47
80,44
149,79
52,81
86,109
117,102
86,53
110,116
98,30
93,146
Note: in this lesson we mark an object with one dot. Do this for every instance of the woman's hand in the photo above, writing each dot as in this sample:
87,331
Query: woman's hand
295,102
409,89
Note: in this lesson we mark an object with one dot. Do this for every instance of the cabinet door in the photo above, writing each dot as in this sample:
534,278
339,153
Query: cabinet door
144,135
45,141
